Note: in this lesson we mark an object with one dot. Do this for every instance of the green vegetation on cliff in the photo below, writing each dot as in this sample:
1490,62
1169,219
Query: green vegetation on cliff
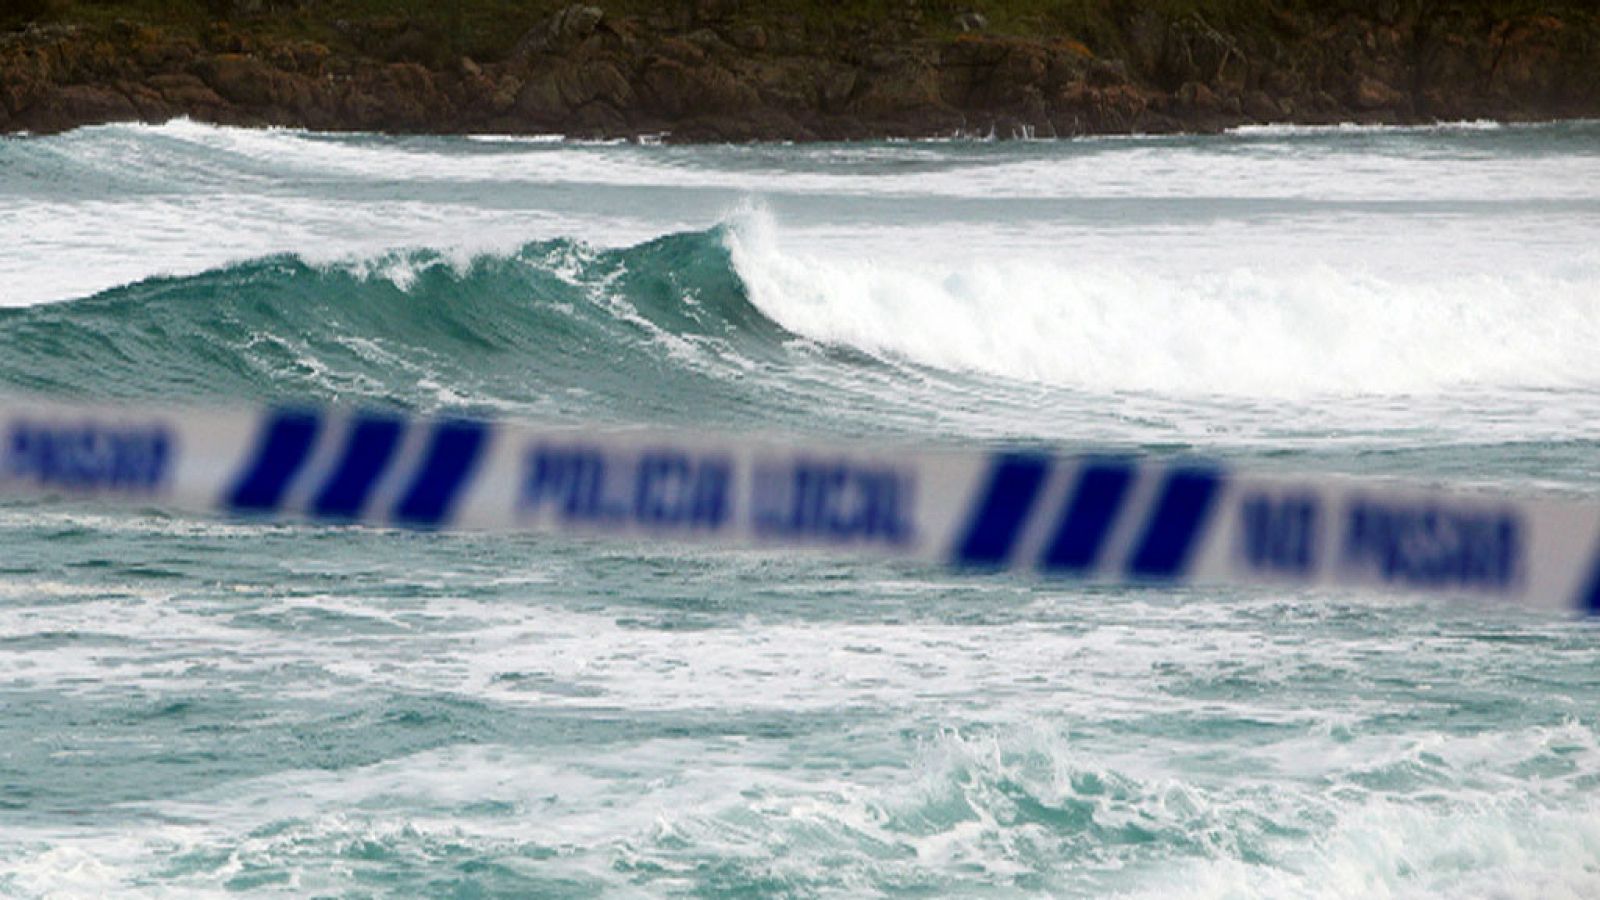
428,31
794,68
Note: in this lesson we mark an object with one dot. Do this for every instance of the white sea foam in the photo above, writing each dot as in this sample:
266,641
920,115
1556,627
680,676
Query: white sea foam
1020,811
1163,168
1022,772
1284,129
62,871
204,196
1384,849
1109,327
1083,172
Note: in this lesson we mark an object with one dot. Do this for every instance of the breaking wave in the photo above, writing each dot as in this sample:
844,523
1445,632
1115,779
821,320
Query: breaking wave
728,316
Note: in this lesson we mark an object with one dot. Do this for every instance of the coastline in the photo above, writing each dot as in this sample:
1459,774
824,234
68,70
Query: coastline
721,73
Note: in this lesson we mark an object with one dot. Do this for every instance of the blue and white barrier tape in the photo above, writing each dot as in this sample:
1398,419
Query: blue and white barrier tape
1109,519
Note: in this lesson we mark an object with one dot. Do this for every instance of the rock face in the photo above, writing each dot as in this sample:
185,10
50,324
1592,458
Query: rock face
710,74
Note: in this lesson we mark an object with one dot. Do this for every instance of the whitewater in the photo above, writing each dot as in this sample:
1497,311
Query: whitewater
197,707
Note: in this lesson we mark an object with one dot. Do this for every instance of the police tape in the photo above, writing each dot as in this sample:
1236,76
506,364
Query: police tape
1116,519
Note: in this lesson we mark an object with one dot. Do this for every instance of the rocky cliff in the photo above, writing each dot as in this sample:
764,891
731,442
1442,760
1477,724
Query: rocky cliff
738,71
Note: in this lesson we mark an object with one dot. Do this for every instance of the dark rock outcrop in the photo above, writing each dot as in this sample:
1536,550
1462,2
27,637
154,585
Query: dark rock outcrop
710,74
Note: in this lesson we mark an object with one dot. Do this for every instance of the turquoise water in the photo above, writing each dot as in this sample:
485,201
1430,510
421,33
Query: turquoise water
192,707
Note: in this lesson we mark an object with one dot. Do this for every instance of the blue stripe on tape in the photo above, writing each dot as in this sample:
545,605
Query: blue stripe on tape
1589,596
1015,480
1089,516
367,452
452,454
283,447
1181,511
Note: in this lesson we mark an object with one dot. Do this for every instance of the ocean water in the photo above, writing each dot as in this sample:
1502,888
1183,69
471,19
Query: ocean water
195,708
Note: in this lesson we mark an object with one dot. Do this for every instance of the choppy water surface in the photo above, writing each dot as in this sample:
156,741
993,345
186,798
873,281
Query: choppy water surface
193,707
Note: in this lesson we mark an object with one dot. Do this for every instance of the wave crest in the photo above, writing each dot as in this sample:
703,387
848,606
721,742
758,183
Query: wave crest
554,320
1243,333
